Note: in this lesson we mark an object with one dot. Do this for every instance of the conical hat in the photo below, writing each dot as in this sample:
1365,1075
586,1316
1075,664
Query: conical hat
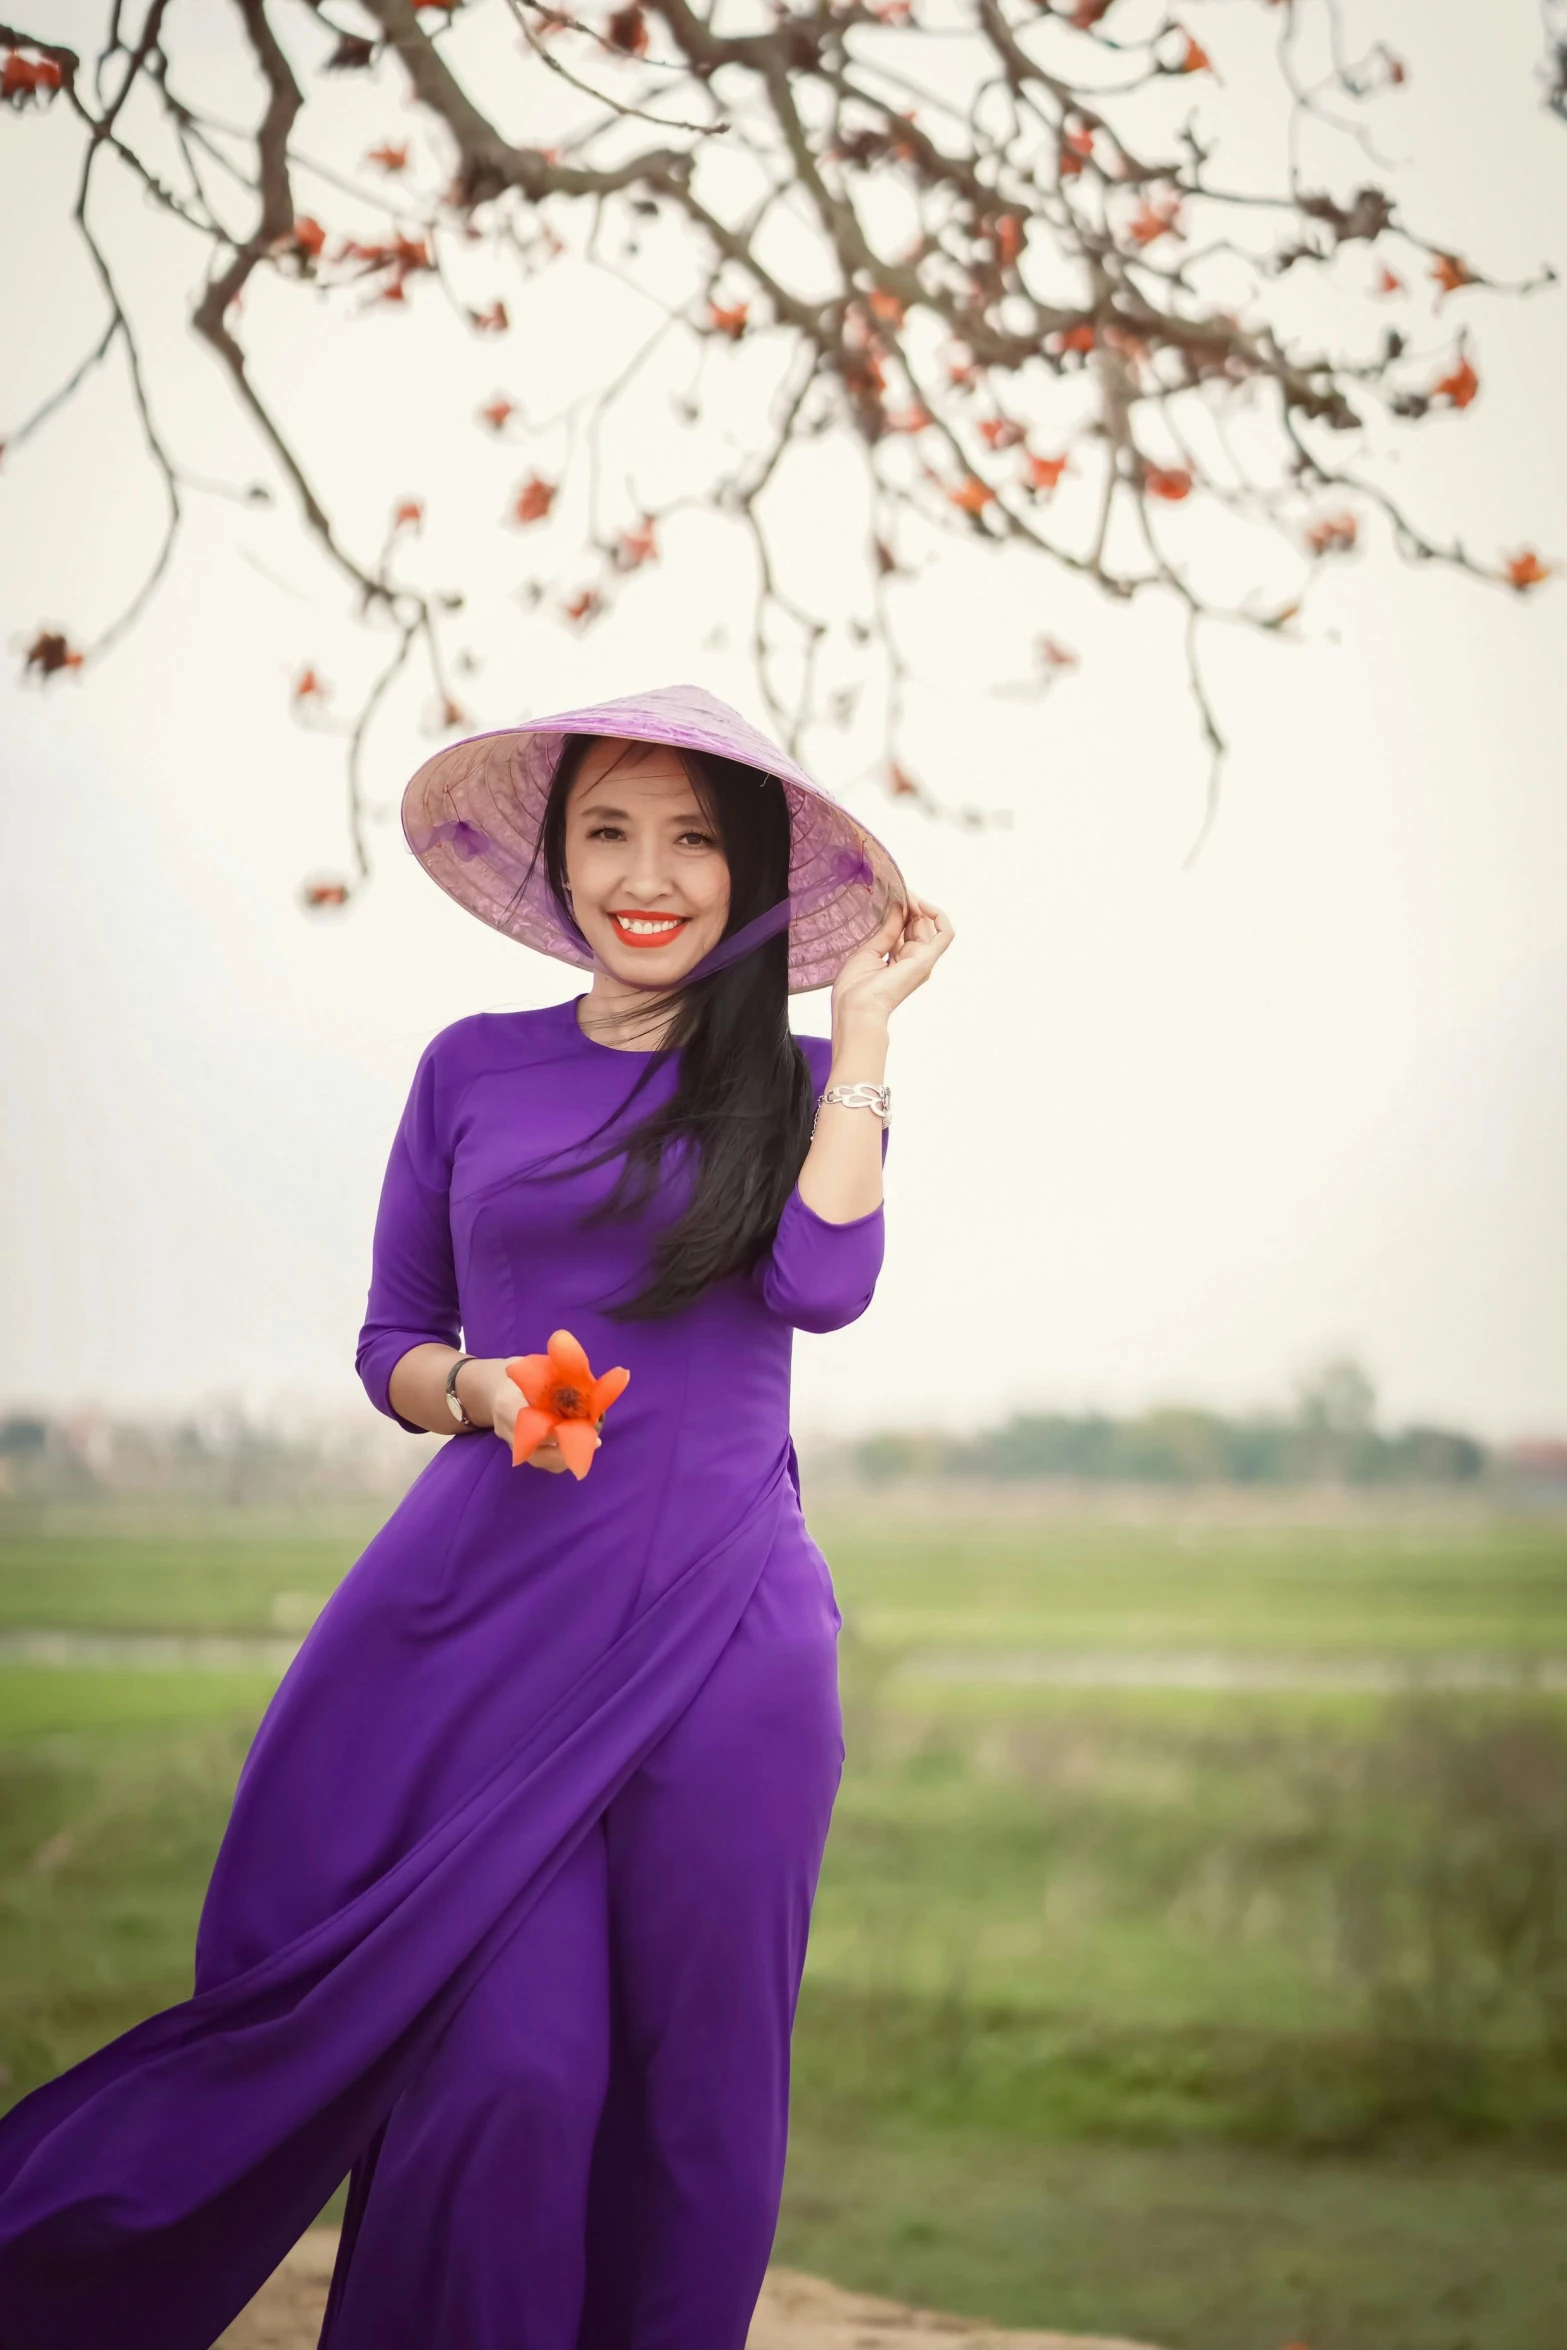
472,816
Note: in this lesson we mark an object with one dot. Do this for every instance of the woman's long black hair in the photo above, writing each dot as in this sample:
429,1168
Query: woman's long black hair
742,1100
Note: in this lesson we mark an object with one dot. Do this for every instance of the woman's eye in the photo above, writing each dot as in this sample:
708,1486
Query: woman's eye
704,840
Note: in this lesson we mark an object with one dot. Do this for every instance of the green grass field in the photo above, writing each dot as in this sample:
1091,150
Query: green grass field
1224,2018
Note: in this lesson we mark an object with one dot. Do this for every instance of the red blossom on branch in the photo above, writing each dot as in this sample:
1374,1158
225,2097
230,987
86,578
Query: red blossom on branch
50,652
627,31
1459,386
1333,534
1194,57
1008,239
1525,570
307,238
29,81
1451,271
636,547
1077,147
1151,221
534,500
1043,474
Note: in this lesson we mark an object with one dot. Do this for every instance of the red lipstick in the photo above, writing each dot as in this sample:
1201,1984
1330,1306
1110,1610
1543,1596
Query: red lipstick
670,926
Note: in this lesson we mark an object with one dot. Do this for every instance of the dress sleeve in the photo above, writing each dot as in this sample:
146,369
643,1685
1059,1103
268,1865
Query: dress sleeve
413,1275
819,1275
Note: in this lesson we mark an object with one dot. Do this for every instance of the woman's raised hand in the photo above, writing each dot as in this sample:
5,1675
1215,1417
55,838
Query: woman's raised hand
915,938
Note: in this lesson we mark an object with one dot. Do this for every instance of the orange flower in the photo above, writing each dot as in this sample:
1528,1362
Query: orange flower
1167,481
1153,221
534,500
1525,570
972,494
563,1400
1460,386
1334,534
1077,147
51,651
1043,473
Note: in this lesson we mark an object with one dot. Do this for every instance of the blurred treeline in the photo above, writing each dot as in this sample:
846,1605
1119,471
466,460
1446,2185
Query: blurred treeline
1329,1436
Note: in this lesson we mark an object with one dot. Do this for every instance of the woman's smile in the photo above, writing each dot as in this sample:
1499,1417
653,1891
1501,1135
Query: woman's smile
645,930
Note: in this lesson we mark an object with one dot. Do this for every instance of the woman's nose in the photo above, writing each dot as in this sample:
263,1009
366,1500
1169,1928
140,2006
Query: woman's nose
647,872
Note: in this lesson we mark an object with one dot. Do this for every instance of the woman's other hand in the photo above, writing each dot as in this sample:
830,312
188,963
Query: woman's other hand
505,1401
867,989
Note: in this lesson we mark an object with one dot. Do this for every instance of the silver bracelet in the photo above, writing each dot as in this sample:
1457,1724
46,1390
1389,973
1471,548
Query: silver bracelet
861,1095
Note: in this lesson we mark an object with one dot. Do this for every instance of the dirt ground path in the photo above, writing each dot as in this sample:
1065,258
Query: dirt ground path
796,2313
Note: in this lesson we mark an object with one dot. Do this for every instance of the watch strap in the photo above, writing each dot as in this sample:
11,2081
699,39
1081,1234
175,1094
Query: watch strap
454,1403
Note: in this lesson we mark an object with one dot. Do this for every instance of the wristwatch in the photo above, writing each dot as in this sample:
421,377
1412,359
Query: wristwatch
862,1095
466,1427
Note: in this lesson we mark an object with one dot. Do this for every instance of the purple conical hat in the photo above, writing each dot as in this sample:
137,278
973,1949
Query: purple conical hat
472,816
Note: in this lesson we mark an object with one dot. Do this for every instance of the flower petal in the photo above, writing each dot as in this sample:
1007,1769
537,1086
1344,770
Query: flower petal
578,1444
528,1433
532,1374
568,1360
606,1387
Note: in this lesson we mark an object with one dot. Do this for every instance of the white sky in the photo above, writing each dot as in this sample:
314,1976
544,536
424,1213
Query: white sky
1157,1133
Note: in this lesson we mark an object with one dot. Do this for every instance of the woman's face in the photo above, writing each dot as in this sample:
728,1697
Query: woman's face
649,879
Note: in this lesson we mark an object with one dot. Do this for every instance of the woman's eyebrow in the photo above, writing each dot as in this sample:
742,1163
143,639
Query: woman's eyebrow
681,816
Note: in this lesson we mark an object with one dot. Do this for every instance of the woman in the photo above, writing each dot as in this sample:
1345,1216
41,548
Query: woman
510,1914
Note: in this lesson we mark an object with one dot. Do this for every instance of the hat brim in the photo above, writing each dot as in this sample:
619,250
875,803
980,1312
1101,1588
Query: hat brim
473,813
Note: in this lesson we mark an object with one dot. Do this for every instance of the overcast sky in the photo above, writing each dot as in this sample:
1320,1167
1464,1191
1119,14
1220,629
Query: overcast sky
1157,1133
